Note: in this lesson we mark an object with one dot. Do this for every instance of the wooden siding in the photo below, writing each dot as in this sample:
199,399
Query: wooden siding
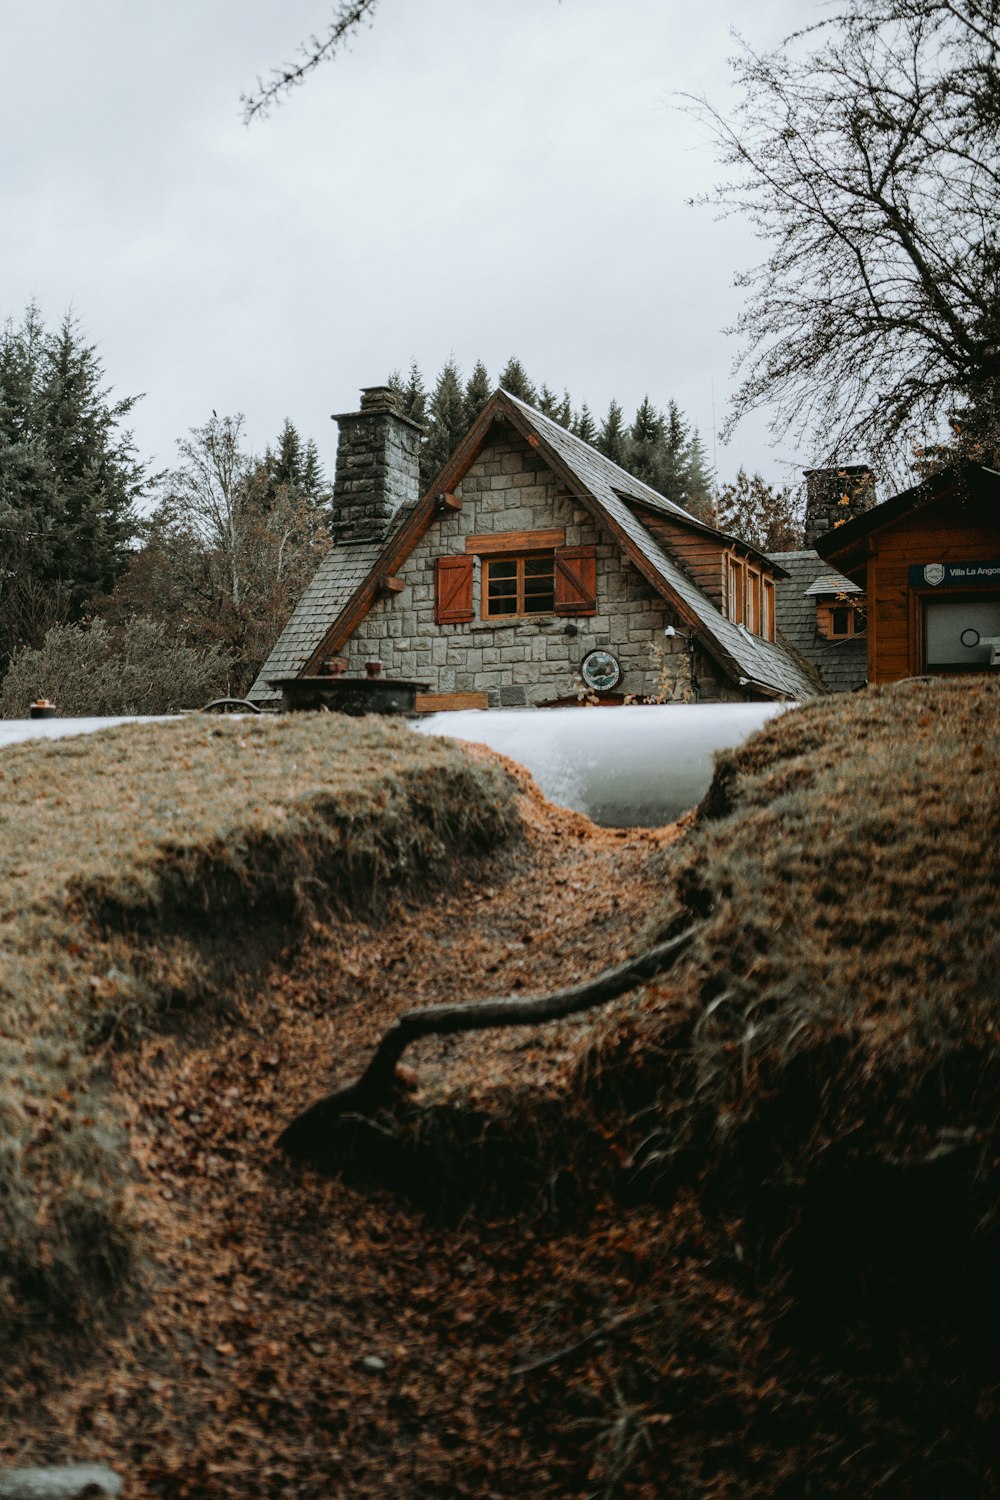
699,556
946,531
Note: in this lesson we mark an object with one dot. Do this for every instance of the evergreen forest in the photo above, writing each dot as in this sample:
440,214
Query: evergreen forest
660,447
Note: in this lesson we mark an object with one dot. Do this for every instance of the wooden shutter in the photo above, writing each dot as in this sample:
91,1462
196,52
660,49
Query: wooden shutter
453,590
576,580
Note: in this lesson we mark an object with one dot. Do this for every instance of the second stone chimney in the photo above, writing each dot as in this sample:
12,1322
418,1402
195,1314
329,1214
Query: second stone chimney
378,467
834,495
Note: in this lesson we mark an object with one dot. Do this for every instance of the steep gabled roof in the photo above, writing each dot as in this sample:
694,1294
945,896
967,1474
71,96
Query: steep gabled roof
348,580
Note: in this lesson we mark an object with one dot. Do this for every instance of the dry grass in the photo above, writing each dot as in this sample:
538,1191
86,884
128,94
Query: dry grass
155,867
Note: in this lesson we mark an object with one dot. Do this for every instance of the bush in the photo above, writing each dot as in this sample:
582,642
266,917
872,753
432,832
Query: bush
91,670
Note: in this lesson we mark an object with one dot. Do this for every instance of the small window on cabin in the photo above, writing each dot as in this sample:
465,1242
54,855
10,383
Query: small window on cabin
752,618
736,590
519,586
841,622
767,609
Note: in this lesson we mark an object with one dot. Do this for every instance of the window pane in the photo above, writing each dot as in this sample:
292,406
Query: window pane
839,621
736,577
539,585
501,587
753,602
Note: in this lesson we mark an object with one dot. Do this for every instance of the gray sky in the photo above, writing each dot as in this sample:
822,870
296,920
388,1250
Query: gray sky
469,179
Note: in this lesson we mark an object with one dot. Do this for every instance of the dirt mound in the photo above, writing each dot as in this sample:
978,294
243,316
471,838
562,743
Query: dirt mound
733,1238
149,869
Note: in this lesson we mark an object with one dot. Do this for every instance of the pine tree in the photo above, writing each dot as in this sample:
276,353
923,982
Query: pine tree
564,416
645,447
288,459
68,479
673,454
548,401
583,425
313,481
697,489
414,395
612,439
292,466
514,379
447,424
477,392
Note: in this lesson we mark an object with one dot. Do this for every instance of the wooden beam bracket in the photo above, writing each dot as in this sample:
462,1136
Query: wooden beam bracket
447,501
389,584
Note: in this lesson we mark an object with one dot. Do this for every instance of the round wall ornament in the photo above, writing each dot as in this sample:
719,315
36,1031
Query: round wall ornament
601,671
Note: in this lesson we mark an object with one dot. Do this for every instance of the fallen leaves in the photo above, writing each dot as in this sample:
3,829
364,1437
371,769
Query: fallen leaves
303,1337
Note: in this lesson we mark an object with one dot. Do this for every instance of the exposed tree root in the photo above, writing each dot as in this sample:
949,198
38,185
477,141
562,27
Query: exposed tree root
374,1089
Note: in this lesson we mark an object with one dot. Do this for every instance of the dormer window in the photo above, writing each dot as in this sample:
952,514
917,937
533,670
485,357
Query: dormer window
841,622
749,596
840,608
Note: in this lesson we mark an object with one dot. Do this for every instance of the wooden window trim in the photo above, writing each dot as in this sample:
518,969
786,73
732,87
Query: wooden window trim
767,607
520,613
752,606
748,596
513,542
735,588
824,621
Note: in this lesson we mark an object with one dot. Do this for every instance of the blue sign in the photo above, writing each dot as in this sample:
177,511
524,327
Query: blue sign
954,575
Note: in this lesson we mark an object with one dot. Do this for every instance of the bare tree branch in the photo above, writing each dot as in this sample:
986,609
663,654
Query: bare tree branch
346,19
866,154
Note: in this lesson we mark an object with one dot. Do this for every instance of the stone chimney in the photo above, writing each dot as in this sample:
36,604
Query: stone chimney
835,495
378,467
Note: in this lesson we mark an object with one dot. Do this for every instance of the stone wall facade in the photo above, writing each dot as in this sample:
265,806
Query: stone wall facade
526,661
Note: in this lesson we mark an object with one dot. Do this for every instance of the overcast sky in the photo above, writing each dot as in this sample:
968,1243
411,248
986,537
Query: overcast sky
470,179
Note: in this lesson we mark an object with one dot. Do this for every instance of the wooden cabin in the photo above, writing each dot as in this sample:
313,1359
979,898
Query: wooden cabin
929,563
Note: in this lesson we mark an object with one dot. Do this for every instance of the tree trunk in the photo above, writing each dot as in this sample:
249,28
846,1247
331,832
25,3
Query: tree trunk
374,1089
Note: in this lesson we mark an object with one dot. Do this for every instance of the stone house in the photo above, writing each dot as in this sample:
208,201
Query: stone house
533,571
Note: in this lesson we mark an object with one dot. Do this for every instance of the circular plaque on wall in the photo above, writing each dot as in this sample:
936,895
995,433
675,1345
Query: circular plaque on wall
601,671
